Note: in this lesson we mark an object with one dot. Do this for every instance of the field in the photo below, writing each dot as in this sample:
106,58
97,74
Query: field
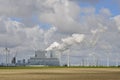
60,74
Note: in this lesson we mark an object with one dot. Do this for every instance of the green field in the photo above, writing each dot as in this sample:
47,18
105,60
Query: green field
58,73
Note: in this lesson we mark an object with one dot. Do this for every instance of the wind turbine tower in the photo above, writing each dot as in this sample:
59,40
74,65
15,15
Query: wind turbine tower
7,52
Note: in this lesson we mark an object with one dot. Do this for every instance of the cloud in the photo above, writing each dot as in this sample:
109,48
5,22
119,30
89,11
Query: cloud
64,16
67,18
9,32
26,10
49,34
86,1
117,19
14,34
105,12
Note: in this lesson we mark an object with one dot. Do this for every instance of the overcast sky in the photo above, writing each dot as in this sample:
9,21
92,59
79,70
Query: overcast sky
27,25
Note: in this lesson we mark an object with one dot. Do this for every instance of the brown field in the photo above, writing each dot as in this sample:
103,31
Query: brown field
61,74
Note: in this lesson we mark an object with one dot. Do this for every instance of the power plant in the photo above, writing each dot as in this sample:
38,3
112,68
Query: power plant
53,54
44,58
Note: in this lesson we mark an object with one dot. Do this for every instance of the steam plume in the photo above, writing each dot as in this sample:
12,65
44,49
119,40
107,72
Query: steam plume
66,42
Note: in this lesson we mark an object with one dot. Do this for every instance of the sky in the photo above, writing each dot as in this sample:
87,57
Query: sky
29,25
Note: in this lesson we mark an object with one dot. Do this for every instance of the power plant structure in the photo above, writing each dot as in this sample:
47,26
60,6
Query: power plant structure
44,58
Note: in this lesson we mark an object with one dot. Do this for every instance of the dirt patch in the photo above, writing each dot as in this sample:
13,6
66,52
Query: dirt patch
61,74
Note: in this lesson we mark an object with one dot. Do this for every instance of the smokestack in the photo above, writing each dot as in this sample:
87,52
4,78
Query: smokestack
14,60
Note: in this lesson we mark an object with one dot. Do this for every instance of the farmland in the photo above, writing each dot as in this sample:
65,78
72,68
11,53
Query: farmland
57,73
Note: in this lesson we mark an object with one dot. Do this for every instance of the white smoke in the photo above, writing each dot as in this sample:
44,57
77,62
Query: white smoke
66,42
53,46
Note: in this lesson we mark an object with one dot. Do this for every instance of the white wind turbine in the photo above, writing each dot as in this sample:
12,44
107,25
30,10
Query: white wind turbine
68,58
107,48
66,50
7,51
68,55
59,56
96,35
117,60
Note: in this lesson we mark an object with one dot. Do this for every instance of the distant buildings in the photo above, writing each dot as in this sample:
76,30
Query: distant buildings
44,58
41,58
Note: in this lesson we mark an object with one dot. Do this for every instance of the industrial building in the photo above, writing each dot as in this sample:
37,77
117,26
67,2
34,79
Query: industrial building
44,58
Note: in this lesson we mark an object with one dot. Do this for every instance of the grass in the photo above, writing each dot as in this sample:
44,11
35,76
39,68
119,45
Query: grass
45,67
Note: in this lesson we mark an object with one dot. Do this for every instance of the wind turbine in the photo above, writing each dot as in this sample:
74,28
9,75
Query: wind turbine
7,52
68,56
68,59
59,54
107,48
95,38
117,61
